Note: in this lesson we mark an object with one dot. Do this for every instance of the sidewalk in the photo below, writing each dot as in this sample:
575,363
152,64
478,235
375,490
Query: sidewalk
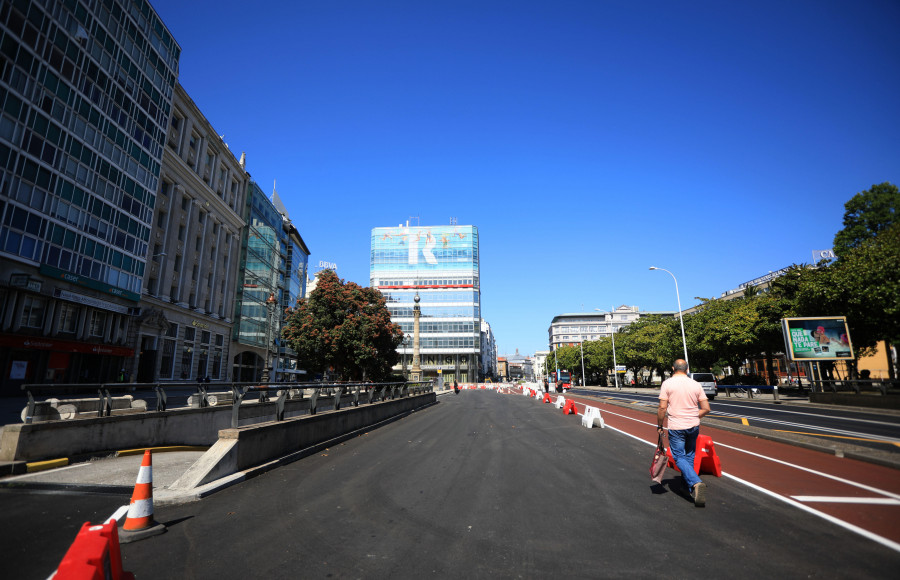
761,396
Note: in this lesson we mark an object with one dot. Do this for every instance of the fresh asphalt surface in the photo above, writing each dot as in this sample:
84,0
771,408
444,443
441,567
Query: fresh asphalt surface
480,485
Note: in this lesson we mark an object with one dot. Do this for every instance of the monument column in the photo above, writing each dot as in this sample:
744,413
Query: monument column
416,372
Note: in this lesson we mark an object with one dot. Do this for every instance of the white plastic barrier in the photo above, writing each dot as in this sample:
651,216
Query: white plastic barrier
560,402
591,417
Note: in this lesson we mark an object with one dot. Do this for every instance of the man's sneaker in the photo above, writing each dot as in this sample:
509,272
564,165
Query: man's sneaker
699,494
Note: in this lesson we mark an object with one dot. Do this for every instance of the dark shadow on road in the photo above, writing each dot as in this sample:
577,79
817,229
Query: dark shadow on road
176,521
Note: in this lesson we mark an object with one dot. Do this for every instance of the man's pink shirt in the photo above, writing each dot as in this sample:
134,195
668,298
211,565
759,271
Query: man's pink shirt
683,394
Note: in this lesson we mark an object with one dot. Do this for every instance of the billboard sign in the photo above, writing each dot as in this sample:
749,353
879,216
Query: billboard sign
813,339
417,249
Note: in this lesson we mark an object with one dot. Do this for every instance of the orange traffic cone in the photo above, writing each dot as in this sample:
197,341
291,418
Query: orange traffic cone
139,522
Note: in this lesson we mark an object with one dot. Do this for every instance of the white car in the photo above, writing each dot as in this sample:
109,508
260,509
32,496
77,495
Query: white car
708,382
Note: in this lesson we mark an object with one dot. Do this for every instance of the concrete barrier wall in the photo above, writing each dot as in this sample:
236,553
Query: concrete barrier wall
75,437
247,447
854,400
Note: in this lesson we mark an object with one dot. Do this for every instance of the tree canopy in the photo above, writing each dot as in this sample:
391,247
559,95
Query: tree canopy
867,214
343,327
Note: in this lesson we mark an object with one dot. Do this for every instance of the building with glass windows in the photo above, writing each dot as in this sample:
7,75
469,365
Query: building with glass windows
86,92
440,264
261,288
184,328
296,264
573,328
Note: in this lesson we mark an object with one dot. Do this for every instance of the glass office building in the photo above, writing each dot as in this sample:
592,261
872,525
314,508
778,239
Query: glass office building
441,265
85,98
262,277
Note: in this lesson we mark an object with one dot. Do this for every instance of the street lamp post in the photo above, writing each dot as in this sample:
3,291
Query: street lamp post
271,303
581,346
680,315
405,347
612,334
557,369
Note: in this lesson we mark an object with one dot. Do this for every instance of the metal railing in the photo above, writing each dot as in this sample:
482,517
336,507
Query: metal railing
200,394
858,386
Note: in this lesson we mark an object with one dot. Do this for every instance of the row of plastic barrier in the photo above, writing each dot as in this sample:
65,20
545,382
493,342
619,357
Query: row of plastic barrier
705,458
591,415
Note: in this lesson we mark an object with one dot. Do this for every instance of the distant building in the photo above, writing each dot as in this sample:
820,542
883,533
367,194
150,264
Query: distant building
488,352
573,328
520,367
440,264
539,365
503,368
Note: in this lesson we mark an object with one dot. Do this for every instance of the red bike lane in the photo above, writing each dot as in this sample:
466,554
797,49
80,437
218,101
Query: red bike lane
858,496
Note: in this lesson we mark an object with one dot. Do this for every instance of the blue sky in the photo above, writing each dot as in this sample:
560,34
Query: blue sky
587,140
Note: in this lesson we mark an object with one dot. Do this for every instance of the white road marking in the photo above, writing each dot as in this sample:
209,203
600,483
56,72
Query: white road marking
833,499
846,525
118,514
788,500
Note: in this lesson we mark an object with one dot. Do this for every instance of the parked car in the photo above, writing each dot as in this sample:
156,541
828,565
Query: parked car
708,382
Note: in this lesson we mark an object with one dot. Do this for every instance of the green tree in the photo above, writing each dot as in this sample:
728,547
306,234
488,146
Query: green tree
864,286
867,214
779,302
345,327
598,360
722,329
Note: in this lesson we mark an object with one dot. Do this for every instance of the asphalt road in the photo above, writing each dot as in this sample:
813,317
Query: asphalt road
878,430
480,485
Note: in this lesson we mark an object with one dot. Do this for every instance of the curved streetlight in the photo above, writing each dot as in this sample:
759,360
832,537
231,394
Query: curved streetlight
612,333
680,315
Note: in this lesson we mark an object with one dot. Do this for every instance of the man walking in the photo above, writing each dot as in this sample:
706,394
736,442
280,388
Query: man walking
682,398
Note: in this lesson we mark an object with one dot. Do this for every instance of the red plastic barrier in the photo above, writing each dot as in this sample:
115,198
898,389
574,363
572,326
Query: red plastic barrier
94,554
569,408
705,458
547,398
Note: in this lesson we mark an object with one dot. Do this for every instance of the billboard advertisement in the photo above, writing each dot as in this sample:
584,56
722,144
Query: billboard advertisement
417,249
811,339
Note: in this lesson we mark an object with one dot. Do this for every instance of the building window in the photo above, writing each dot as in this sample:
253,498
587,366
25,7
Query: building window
167,359
68,318
201,366
98,322
216,364
33,312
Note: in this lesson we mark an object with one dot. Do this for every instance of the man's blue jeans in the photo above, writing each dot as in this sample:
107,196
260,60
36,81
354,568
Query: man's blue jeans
682,443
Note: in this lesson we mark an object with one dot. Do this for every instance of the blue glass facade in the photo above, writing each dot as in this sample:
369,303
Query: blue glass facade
262,273
441,264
